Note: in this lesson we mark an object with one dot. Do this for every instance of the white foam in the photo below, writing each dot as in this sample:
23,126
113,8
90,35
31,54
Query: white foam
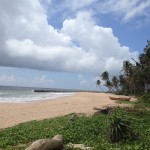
34,97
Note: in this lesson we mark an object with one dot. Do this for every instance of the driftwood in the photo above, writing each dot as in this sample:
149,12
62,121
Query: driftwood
105,110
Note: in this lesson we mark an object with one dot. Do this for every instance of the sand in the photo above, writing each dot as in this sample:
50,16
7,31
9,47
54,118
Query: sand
82,102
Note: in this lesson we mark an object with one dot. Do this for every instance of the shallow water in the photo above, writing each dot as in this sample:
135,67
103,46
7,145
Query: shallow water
25,94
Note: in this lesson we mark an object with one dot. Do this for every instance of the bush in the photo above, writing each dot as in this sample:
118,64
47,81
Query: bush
120,129
145,98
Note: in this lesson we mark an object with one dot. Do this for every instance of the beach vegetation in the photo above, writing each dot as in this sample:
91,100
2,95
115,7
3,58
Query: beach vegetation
120,129
144,100
92,131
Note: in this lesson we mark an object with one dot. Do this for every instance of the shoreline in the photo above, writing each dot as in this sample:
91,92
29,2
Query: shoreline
39,96
81,102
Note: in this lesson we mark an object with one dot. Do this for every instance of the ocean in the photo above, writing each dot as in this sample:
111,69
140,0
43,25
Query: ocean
11,94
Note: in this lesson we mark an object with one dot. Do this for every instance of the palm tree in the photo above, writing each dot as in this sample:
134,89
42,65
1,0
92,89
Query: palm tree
109,85
134,77
115,82
122,83
105,76
98,83
127,68
145,64
147,49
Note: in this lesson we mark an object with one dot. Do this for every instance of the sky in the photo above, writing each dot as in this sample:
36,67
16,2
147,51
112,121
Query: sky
69,43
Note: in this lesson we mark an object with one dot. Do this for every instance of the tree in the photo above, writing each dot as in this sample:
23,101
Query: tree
109,85
115,83
147,49
98,82
127,68
134,76
105,76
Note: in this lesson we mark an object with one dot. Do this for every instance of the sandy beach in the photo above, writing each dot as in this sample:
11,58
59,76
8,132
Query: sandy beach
82,102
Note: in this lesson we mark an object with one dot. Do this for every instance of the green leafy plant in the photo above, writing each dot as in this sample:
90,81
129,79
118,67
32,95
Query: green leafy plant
88,130
120,129
145,98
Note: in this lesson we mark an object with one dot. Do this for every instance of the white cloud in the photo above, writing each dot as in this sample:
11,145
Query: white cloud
39,81
79,46
78,4
83,81
6,79
42,80
127,9
90,82
97,41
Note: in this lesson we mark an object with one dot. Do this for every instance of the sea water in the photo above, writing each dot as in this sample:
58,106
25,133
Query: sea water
12,94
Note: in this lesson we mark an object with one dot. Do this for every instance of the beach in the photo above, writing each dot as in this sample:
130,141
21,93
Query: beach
81,102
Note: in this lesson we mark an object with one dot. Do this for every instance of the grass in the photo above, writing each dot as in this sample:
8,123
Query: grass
91,131
126,102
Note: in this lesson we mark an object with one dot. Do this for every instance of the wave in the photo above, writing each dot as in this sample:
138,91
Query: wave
33,97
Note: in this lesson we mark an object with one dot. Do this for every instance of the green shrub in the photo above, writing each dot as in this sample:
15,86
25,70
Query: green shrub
120,129
145,98
144,101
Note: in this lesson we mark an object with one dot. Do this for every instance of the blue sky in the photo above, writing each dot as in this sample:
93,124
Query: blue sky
69,43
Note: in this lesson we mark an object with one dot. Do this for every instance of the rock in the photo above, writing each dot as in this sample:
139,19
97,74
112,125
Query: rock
56,143
79,146
58,138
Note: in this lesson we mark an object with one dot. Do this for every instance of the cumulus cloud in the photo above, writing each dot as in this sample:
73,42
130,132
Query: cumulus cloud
97,41
28,41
